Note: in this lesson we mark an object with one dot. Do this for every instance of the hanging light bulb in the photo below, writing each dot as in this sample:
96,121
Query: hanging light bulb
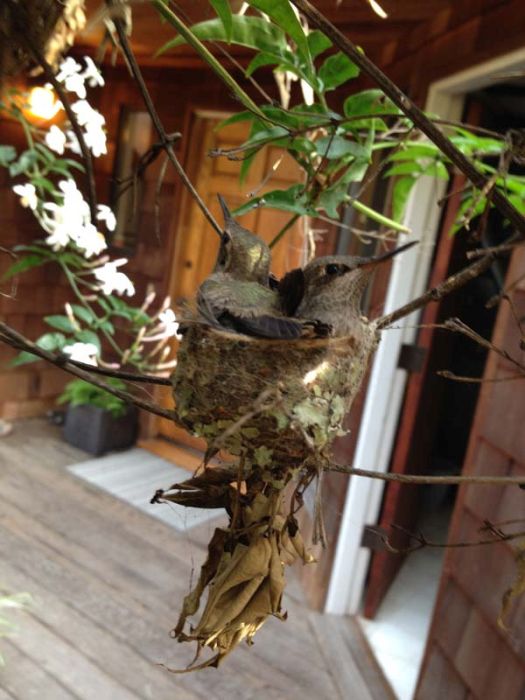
42,103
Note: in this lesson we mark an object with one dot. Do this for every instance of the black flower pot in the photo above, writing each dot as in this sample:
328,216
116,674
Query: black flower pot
97,431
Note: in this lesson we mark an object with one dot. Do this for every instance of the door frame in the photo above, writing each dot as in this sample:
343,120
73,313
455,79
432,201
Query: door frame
384,399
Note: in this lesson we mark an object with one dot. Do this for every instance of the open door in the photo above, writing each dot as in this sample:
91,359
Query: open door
416,427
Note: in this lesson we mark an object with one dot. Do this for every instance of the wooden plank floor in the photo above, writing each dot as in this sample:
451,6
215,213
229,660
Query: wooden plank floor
107,581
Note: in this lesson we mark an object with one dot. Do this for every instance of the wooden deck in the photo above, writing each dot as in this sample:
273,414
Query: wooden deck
107,581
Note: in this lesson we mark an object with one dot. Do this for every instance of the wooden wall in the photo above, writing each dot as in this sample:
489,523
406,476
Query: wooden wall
468,655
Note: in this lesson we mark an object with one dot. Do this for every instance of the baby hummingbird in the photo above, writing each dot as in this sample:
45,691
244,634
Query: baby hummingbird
237,295
329,290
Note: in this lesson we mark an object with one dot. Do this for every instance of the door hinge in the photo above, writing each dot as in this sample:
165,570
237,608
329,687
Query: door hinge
411,358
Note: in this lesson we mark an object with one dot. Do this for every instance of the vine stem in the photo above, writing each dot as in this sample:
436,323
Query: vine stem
11,337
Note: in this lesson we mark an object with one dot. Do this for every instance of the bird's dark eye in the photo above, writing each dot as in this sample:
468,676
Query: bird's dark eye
226,238
333,269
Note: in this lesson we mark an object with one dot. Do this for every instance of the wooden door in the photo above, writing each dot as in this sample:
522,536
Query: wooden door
468,654
197,244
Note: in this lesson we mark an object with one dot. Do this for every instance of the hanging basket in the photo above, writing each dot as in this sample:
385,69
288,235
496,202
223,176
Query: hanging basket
51,26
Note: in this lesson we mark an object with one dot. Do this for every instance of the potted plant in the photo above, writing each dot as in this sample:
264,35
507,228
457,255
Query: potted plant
97,421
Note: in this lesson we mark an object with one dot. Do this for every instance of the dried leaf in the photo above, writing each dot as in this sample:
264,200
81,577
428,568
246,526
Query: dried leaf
517,588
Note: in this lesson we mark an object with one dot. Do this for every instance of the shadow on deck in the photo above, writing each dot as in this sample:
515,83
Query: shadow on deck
107,582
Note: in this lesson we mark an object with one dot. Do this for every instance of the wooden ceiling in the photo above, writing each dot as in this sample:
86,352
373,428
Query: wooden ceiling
354,17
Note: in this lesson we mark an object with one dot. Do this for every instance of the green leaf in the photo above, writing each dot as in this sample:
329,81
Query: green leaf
355,172
26,263
367,103
23,358
293,200
106,326
223,10
414,151
25,161
336,70
262,59
251,32
317,43
83,314
52,341
283,15
331,199
400,193
61,323
87,336
7,155
338,147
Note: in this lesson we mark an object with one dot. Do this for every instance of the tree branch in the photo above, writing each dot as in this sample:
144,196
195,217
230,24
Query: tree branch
11,337
416,115
137,74
419,479
451,284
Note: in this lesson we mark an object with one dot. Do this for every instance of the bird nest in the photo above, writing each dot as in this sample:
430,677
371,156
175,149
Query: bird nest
49,25
277,405
272,401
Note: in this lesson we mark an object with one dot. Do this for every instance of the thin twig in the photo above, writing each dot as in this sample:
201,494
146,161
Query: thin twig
477,380
457,325
422,541
416,115
11,337
419,479
451,284
137,74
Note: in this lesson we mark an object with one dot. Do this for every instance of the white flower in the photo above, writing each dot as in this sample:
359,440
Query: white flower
27,194
105,214
82,352
95,139
93,123
70,221
68,67
89,240
86,115
56,139
169,321
70,75
92,74
112,280
72,142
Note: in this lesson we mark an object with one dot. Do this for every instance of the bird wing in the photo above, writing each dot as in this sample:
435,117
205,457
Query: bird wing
291,291
265,326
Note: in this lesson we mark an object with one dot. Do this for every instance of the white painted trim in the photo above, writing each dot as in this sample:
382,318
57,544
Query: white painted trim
387,383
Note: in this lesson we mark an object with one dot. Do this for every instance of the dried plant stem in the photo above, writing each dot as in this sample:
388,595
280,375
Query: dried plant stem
137,74
11,337
419,479
421,541
416,115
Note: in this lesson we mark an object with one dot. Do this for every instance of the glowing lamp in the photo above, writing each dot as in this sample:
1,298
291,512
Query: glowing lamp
42,103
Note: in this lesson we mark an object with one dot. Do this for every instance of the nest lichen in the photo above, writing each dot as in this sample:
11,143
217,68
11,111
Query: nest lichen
269,400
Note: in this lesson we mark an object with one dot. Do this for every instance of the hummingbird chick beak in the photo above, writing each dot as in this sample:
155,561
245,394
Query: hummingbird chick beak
378,259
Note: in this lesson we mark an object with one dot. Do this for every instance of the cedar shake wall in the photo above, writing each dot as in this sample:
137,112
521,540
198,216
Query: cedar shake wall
468,655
